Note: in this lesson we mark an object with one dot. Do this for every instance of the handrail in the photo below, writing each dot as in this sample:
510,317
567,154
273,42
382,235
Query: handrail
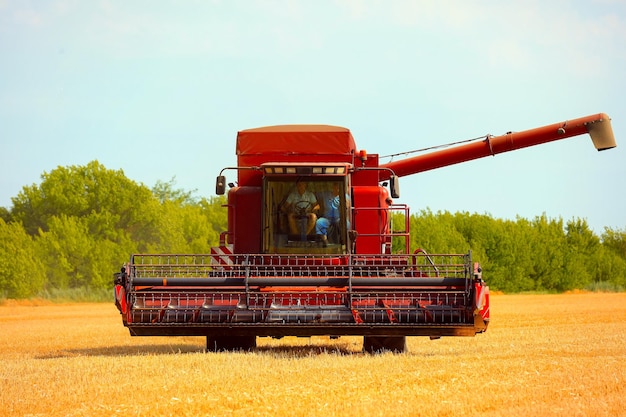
420,250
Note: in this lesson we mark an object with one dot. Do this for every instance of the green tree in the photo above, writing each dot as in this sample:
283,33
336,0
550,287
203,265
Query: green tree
80,191
510,254
184,227
612,258
436,233
615,240
75,258
5,214
581,255
611,271
214,211
523,255
22,274
85,221
66,249
166,191
548,243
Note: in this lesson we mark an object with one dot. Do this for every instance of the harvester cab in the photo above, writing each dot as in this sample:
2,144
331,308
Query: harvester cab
321,196
306,208
306,213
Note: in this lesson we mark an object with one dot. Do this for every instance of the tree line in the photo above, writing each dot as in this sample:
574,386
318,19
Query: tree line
75,228
540,254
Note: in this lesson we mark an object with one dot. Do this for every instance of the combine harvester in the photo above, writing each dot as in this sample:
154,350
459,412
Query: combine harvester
311,248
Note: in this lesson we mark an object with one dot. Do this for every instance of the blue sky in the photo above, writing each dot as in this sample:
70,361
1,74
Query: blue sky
160,88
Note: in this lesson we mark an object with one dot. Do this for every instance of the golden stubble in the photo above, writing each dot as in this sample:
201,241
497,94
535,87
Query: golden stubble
542,355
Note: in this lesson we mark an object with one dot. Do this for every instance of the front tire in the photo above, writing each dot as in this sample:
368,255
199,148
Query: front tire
380,344
230,343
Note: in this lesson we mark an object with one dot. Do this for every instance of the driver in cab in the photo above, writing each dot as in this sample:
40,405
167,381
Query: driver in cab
301,204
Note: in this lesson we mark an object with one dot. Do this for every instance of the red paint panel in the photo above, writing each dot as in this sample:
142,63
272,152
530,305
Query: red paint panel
244,219
370,218
291,143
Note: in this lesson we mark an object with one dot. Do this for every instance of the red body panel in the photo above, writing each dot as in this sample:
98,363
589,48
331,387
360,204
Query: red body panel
244,216
369,203
291,143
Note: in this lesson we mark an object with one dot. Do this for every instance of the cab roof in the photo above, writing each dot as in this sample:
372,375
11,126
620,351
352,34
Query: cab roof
296,139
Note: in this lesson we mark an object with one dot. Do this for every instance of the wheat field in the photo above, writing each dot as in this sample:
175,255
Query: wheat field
549,355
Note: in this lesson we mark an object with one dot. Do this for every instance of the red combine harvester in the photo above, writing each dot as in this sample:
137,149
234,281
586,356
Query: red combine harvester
311,248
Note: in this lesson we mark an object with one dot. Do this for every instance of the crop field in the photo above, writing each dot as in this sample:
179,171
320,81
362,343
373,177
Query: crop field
554,355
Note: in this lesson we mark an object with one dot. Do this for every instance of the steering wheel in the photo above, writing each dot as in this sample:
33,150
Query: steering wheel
302,208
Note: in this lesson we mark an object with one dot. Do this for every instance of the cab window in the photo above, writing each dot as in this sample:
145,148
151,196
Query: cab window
305,215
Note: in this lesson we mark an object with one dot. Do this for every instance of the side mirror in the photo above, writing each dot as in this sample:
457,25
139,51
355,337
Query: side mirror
394,186
220,185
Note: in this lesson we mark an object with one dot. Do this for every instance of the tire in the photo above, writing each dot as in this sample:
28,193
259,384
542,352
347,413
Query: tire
230,343
379,344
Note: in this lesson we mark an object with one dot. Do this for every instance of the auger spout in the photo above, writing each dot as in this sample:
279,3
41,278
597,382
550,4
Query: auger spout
597,125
